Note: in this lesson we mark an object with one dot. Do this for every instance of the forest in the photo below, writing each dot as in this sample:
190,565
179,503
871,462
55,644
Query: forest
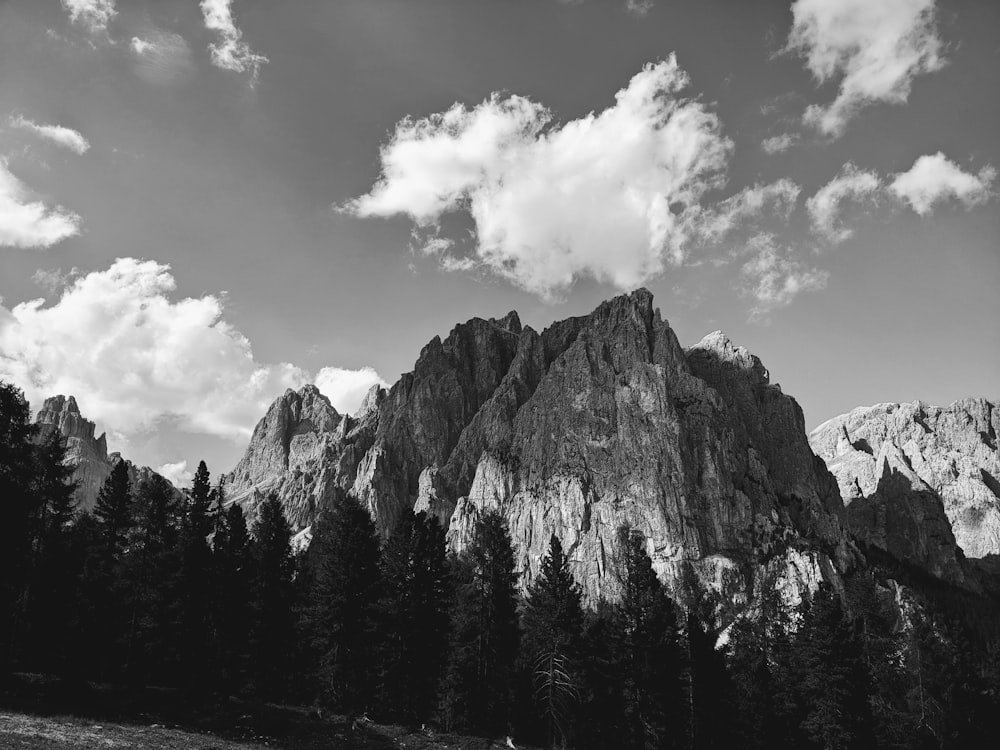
181,591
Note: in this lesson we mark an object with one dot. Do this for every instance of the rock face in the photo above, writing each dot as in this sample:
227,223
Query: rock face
949,452
86,454
598,422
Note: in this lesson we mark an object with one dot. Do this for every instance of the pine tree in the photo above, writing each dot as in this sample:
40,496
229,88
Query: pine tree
272,594
195,584
712,689
114,510
485,644
415,611
152,581
52,578
19,508
553,625
342,622
233,612
829,677
651,655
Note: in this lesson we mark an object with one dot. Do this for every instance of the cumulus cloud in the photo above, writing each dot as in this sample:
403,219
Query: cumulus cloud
346,389
934,178
54,280
773,277
95,15
161,56
230,52
61,136
30,223
133,356
611,195
779,143
826,206
876,49
178,474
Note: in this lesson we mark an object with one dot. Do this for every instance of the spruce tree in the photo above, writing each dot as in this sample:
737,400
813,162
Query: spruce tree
415,611
553,625
342,614
654,707
195,583
481,672
272,597
232,605
114,510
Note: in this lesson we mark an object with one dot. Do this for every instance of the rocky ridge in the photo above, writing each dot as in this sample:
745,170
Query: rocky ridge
943,468
88,455
596,423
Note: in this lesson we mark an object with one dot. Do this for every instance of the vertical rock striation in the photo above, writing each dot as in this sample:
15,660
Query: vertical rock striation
596,423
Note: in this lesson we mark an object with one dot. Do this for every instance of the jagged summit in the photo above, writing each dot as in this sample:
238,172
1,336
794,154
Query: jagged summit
598,422
950,450
86,454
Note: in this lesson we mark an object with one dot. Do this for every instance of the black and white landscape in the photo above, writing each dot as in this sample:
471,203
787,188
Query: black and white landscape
405,373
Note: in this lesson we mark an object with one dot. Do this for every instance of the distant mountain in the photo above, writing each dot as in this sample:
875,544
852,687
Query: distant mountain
88,455
949,453
596,423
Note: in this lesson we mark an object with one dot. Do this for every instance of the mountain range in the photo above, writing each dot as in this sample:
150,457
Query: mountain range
605,421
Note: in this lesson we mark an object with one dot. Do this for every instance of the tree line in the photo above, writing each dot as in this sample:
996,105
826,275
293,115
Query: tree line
156,587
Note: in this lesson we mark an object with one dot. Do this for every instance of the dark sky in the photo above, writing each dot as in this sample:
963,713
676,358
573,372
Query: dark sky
247,269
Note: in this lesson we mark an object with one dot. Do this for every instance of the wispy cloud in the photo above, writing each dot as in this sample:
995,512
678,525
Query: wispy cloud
779,143
746,206
28,223
61,136
161,57
851,185
611,195
934,178
639,7
875,48
94,15
230,52
772,277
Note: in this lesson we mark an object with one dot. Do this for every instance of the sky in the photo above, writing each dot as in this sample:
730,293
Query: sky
205,202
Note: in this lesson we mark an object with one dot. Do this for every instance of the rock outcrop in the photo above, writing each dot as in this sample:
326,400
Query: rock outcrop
88,455
597,423
950,452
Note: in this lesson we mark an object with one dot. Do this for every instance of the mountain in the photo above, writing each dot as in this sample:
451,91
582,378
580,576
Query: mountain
596,423
947,452
88,455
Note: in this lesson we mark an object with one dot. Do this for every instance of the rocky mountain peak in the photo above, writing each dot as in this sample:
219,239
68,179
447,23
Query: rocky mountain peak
600,421
86,454
949,451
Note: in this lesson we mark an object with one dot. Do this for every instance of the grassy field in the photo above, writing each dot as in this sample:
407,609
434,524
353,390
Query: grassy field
39,712
20,731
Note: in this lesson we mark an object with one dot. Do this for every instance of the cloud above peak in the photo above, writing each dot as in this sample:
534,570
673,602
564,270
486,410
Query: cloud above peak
874,48
611,195
230,52
134,356
57,134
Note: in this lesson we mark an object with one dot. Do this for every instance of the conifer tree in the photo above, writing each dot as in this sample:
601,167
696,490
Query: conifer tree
342,621
654,715
272,594
553,625
233,613
415,609
114,511
195,584
485,644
